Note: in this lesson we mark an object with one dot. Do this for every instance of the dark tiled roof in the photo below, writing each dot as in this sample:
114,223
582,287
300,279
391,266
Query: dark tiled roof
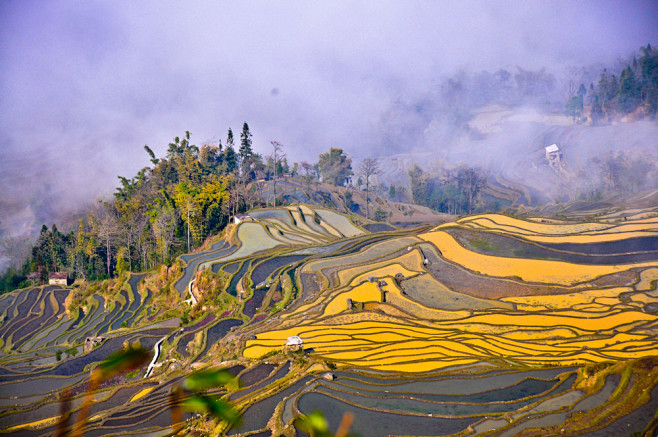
58,275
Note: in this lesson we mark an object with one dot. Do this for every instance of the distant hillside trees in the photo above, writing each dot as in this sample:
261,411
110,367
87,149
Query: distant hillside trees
51,250
369,167
621,173
617,173
335,167
310,173
534,84
635,89
167,208
453,191
277,159
464,91
575,104
618,92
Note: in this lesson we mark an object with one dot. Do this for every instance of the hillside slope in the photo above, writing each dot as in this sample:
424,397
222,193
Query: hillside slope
488,324
348,200
509,144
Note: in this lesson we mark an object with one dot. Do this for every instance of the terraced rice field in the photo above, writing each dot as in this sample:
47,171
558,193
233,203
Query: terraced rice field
615,309
42,351
490,325
560,300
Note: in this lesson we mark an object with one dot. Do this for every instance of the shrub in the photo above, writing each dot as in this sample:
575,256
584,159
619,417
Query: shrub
380,215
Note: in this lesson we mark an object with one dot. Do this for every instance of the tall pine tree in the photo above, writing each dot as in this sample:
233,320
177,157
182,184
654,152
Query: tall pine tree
629,90
230,157
649,78
246,152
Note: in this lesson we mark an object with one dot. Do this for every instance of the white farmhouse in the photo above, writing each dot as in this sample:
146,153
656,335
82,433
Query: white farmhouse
553,155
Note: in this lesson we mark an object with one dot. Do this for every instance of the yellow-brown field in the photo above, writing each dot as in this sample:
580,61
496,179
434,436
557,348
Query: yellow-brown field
551,231
596,321
384,344
527,227
502,222
566,301
529,270
389,270
366,292
408,265
396,299
587,238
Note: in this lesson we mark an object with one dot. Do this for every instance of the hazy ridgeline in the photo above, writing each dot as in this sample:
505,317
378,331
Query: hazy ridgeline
480,129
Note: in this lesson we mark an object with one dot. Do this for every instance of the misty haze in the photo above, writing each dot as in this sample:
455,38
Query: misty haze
353,193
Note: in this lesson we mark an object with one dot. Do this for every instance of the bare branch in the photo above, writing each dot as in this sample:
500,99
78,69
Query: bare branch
369,167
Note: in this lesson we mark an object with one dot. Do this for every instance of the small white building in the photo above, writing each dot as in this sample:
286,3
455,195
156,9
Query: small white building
293,343
553,155
58,278
294,340
239,218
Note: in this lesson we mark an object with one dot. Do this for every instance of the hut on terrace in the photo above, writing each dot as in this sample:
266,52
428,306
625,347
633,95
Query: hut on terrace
58,278
239,218
553,155
294,343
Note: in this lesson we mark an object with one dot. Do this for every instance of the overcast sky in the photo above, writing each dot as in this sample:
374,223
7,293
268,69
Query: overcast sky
85,84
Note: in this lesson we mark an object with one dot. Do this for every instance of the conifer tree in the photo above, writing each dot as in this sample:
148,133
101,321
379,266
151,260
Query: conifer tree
246,152
277,157
230,142
628,90
649,77
230,157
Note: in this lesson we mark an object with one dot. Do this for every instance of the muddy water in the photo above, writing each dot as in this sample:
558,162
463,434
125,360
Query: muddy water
253,305
374,423
451,385
217,332
257,416
265,269
231,289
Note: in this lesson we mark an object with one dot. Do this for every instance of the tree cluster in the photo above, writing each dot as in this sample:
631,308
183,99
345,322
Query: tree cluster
635,88
617,173
335,167
369,167
168,208
453,191
465,91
